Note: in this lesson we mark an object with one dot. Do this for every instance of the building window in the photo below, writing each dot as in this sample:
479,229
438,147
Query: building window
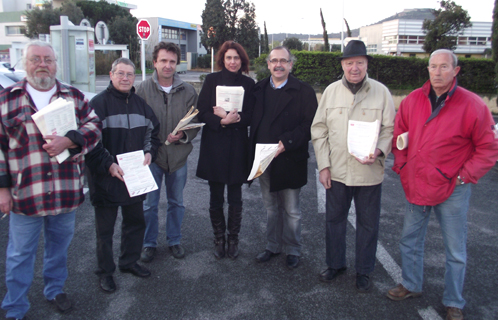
391,39
169,33
183,35
462,41
467,56
372,48
183,49
15,30
411,39
412,55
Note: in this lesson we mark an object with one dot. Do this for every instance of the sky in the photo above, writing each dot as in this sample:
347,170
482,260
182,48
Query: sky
303,16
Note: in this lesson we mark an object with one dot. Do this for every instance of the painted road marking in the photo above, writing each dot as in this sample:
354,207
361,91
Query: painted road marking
392,268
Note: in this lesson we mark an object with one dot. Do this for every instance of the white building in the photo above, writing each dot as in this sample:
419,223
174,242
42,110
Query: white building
405,37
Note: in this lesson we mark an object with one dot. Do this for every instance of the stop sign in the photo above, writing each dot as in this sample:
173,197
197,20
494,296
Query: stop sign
143,29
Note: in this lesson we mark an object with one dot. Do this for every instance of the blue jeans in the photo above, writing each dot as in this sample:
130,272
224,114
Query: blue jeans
24,233
283,227
175,183
338,203
452,217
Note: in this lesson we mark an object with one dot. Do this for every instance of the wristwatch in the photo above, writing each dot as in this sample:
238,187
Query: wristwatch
460,179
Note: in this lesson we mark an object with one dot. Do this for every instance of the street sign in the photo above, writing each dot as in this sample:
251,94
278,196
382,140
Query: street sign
143,29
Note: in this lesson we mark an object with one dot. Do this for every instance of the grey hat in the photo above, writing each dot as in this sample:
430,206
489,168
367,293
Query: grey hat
355,48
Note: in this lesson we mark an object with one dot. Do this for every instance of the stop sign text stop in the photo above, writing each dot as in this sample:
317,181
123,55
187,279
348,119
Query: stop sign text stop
143,29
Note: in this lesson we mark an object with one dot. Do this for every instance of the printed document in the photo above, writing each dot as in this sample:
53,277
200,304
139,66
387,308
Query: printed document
265,152
57,119
230,98
137,177
362,138
402,141
185,124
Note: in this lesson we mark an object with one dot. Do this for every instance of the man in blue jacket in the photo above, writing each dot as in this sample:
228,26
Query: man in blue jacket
128,124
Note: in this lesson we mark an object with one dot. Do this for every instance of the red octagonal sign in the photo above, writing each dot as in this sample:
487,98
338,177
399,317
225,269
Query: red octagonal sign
143,29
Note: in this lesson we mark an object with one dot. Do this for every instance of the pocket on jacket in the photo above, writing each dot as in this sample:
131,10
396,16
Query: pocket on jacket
17,131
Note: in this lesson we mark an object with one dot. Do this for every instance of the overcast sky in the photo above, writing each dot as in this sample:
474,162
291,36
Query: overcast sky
303,16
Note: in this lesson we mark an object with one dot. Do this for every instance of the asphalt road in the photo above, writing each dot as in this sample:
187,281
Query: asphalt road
200,287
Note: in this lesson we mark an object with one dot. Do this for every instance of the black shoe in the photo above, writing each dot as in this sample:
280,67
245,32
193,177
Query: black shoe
136,270
177,251
107,284
233,247
265,256
292,261
148,254
330,274
363,283
62,303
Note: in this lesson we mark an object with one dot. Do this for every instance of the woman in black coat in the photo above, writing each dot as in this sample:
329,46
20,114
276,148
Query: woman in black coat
223,152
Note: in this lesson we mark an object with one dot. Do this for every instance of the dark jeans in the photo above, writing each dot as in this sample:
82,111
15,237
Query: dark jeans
132,236
367,203
217,190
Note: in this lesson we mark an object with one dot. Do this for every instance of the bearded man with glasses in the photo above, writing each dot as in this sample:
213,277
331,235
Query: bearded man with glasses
36,191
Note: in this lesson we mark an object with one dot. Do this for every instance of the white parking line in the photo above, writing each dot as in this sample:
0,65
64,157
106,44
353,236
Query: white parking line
392,268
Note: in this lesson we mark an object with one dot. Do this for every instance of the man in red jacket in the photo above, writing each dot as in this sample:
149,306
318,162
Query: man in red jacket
450,145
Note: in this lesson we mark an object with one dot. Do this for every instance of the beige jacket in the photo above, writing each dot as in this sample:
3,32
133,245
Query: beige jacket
329,130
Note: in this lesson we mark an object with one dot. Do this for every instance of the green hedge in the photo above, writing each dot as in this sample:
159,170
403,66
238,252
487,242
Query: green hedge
323,68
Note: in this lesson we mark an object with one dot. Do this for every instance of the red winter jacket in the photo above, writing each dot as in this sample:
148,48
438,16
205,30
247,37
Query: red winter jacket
455,140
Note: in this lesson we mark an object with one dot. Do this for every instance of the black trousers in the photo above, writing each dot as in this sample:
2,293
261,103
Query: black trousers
132,236
217,198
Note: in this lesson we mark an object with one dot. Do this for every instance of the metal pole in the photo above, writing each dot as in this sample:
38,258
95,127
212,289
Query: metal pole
342,28
212,60
143,60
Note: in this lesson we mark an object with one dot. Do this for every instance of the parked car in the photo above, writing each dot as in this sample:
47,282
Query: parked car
8,78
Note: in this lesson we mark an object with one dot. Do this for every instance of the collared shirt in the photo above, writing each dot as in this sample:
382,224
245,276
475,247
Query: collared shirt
39,185
280,86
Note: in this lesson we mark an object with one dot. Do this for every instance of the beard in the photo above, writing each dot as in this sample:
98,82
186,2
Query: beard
41,83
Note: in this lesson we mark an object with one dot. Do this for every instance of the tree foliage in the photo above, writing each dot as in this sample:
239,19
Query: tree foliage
448,23
230,20
121,24
293,43
348,31
326,46
40,20
265,47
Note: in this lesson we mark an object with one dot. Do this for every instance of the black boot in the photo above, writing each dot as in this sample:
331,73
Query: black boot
234,220
219,228
233,246
219,247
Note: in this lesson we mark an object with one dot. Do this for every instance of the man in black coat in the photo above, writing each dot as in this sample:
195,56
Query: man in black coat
128,124
283,114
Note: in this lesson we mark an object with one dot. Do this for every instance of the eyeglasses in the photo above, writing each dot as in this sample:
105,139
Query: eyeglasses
122,75
282,61
38,60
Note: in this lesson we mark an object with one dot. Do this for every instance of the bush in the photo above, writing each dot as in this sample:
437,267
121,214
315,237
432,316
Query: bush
103,61
204,61
323,68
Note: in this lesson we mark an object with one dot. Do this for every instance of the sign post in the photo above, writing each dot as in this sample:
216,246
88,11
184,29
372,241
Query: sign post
143,31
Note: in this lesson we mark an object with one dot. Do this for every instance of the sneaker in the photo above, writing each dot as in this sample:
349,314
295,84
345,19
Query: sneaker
177,251
148,254
454,313
399,293
62,303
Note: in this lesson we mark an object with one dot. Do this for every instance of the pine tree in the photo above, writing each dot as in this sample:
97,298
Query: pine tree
326,46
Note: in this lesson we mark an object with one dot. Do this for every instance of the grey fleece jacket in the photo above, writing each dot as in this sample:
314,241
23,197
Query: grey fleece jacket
169,109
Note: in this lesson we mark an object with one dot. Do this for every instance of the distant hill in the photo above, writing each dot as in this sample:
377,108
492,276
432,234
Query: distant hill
410,14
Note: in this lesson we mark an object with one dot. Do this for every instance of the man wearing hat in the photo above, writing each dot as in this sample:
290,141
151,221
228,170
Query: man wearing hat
344,176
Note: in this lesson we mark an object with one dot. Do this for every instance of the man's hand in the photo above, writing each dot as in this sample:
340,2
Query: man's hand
175,138
57,145
231,117
370,160
324,178
281,148
147,159
116,171
220,112
5,200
